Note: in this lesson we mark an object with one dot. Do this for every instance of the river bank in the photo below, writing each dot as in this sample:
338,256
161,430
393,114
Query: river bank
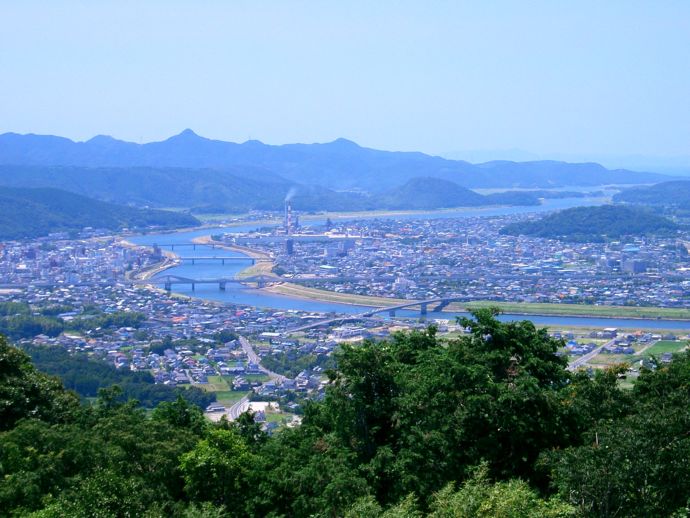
286,288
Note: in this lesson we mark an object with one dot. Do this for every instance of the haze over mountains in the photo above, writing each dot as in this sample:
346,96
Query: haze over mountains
337,165
30,213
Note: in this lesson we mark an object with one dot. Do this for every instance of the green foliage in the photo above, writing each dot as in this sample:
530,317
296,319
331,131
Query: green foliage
636,464
511,499
401,432
107,320
19,322
86,376
217,470
27,393
417,413
595,224
181,414
290,364
14,308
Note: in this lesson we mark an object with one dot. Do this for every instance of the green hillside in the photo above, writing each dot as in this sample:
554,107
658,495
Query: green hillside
26,213
673,194
594,224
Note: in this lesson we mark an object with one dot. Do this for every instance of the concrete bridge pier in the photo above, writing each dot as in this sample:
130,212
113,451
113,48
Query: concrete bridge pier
442,305
221,285
168,286
423,309
391,313
193,287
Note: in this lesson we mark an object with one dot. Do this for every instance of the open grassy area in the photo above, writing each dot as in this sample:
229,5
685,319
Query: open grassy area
295,290
228,398
261,378
585,310
216,384
665,346
612,359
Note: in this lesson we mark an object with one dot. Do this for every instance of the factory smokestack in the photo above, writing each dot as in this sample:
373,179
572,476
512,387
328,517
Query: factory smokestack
288,217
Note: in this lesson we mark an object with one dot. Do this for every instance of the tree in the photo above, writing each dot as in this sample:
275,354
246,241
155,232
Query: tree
217,470
181,414
634,463
27,393
418,412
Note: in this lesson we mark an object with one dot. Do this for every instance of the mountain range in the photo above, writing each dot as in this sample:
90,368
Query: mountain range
338,165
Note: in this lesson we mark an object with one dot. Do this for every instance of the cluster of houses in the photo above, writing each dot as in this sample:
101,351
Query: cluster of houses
470,258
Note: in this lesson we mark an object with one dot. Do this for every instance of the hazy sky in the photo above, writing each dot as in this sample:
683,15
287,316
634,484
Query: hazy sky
578,77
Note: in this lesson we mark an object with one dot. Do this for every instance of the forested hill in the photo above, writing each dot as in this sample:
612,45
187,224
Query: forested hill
27,213
594,224
338,165
675,194
490,423
208,190
434,193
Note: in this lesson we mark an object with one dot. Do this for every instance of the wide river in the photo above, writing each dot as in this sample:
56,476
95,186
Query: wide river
236,293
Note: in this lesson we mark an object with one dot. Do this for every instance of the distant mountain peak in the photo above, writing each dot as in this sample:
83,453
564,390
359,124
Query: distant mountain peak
187,134
343,142
100,139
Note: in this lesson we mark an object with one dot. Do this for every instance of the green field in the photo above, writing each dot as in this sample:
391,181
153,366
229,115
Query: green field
528,308
216,384
228,398
261,378
665,346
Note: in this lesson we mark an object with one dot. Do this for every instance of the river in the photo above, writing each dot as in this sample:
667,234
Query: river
242,295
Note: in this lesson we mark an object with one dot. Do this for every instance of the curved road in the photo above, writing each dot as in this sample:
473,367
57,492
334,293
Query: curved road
238,408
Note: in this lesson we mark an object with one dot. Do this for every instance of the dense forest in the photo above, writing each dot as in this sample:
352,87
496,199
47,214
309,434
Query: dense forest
487,424
592,224
27,213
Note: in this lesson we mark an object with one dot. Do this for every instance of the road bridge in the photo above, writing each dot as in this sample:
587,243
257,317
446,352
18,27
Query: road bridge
223,260
438,305
191,245
168,281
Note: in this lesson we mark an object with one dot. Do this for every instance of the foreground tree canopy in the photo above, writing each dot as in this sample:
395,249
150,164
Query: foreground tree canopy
488,424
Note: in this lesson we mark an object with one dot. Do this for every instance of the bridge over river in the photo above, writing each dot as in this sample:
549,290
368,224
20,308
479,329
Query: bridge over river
168,281
223,260
438,305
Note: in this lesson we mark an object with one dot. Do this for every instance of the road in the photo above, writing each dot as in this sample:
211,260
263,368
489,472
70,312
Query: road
575,364
254,358
235,410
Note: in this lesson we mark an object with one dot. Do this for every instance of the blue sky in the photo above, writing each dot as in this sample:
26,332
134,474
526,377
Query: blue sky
553,77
